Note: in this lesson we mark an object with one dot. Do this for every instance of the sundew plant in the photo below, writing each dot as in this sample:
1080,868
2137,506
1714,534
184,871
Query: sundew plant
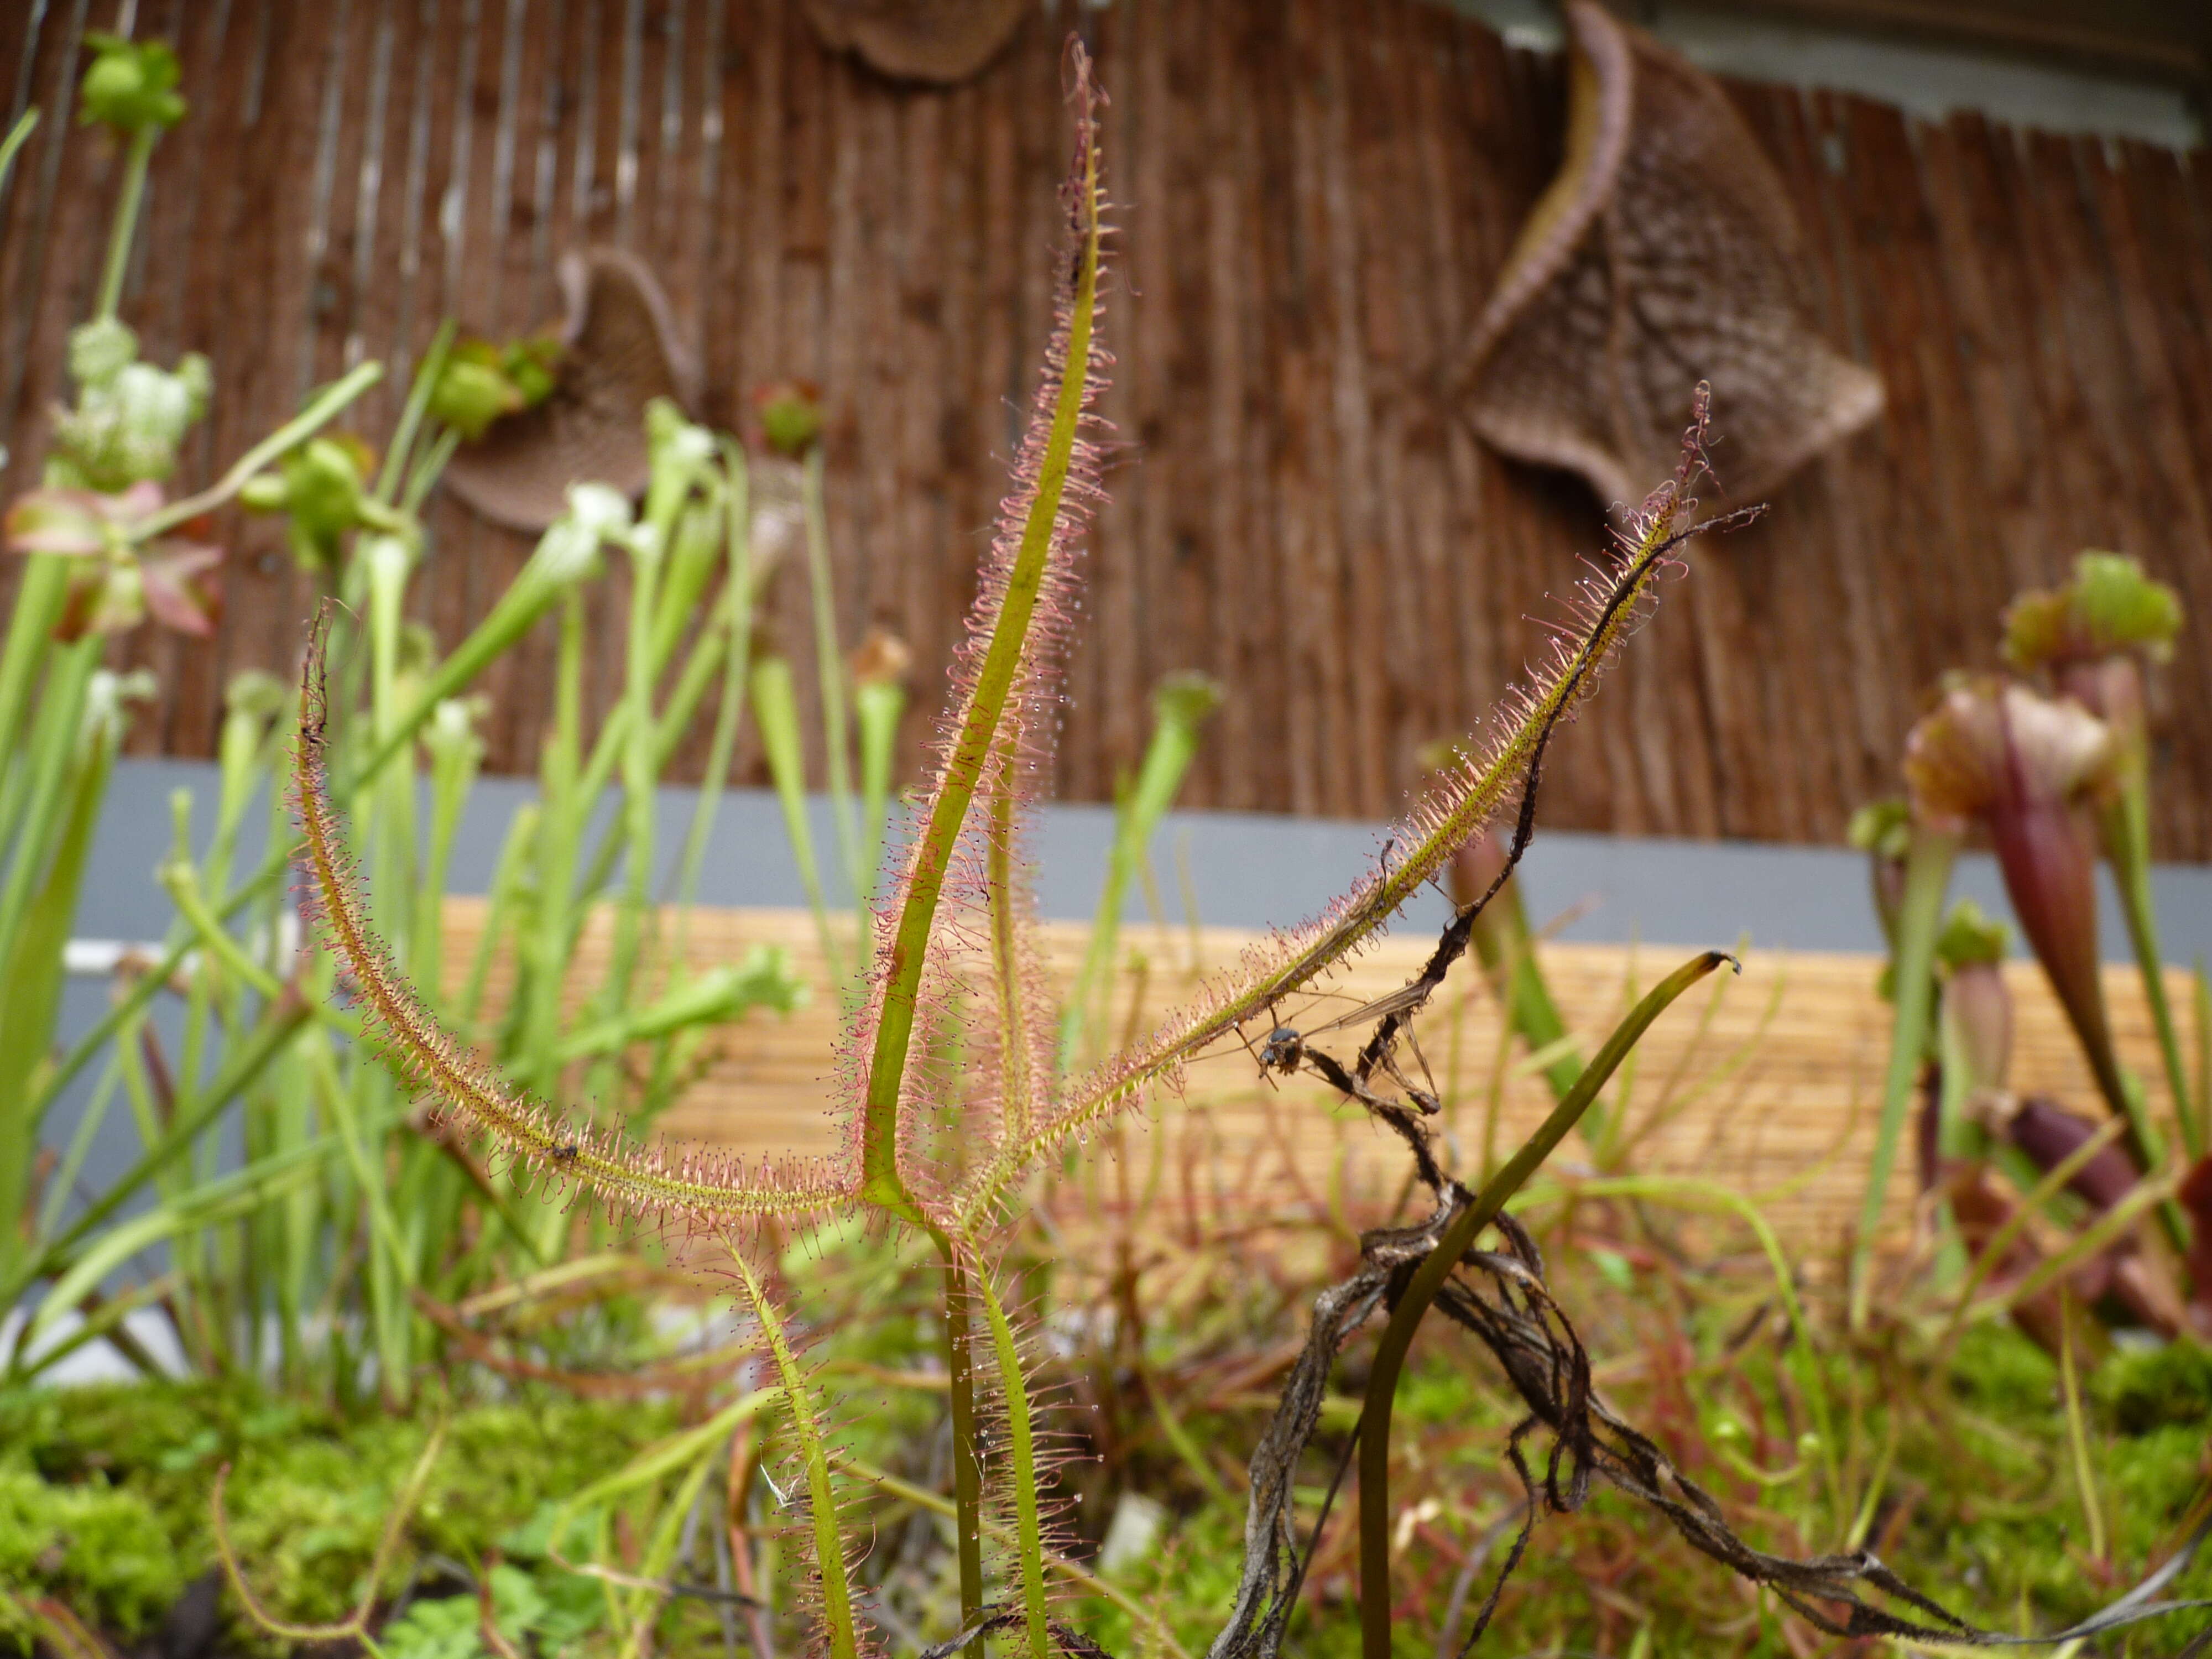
954,1101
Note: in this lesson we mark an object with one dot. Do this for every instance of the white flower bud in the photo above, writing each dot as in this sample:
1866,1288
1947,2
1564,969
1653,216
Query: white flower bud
566,552
644,543
450,722
385,557
107,694
99,350
600,508
675,442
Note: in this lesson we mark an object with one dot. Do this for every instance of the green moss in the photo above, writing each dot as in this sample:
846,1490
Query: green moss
102,1551
2169,1385
104,1490
1998,1370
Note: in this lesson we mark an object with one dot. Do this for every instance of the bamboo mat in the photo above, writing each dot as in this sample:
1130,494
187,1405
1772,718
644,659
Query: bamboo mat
1768,1084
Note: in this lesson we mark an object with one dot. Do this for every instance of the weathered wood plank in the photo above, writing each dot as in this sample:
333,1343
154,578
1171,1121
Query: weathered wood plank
1313,207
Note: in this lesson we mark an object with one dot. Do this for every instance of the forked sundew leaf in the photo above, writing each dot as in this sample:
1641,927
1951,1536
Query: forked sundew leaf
1019,597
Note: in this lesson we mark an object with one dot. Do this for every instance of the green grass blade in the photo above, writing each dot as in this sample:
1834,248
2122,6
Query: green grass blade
204,1205
509,880
420,390
660,1554
561,831
879,706
1181,706
240,1071
2077,1431
673,1452
2129,840
1507,946
64,1178
56,745
829,663
1920,919
1086,1582
2203,1001
31,983
99,1317
150,984
736,667
776,714
39,595
1708,1195
640,815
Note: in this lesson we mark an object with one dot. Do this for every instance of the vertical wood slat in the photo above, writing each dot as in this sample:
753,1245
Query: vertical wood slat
2177,267
1316,203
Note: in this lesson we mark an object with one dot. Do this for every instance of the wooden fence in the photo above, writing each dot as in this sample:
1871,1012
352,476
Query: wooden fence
1317,196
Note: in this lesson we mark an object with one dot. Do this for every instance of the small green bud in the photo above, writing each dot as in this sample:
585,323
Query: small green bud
1882,827
2108,607
533,366
129,87
1971,937
790,414
196,376
1185,697
257,692
418,643
2122,608
323,485
471,392
483,381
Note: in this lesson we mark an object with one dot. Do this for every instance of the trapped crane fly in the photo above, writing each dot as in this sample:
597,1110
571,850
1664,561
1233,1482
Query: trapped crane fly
1282,1051
1286,1046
